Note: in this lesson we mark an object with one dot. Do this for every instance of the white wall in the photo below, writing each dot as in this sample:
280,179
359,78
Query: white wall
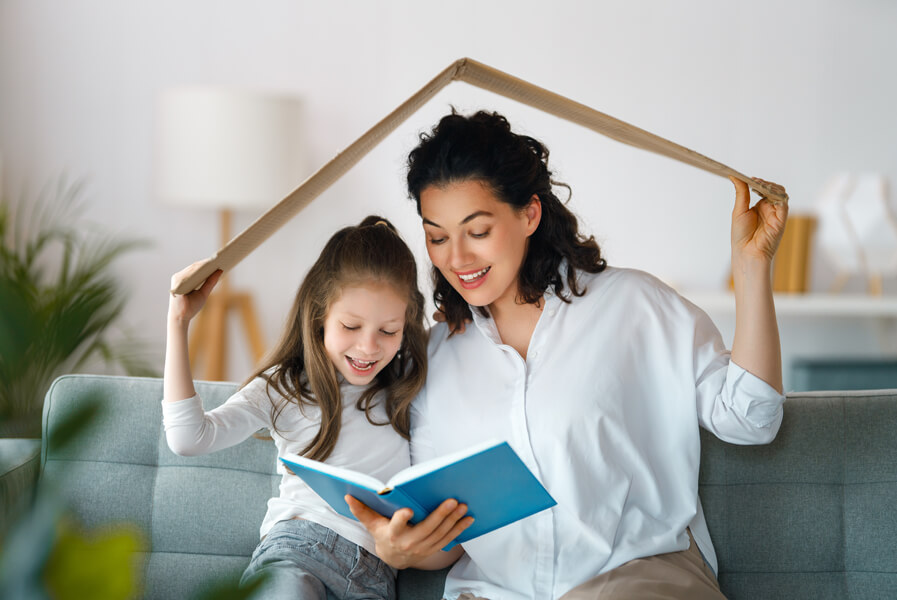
788,91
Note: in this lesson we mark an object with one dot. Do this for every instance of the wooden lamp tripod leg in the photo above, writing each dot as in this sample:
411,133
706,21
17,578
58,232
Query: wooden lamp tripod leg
209,339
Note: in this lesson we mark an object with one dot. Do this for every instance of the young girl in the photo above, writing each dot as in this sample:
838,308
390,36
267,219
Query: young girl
337,389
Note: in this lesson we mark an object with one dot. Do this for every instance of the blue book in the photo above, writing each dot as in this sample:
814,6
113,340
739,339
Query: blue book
489,477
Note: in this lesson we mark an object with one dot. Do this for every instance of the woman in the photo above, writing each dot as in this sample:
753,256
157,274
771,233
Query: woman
598,377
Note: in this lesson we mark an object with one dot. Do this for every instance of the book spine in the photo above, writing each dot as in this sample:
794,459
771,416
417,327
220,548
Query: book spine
397,496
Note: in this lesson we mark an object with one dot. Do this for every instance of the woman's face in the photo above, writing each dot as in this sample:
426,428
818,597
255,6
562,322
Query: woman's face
477,241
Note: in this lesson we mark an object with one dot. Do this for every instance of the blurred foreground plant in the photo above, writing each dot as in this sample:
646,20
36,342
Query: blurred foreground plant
59,302
47,554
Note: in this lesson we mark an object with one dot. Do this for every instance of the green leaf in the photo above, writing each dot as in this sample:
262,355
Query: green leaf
72,424
61,304
101,565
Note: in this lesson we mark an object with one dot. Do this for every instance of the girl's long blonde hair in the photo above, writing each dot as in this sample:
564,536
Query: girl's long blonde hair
299,368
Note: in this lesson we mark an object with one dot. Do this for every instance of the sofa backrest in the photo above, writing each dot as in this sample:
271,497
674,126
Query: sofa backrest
200,515
811,515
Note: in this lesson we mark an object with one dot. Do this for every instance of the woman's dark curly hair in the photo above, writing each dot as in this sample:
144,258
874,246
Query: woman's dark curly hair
483,148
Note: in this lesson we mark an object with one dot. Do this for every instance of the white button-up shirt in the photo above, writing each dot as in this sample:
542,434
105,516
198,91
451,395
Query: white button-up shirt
605,411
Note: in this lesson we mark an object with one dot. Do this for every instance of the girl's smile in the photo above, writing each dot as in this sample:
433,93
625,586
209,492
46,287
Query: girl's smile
361,366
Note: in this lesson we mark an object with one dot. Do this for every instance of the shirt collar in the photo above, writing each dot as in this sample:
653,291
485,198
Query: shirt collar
486,324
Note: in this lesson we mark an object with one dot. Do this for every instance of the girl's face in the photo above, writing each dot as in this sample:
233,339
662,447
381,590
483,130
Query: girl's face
363,330
477,241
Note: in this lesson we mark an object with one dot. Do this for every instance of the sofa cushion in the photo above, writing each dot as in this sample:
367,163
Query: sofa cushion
201,515
809,515
19,467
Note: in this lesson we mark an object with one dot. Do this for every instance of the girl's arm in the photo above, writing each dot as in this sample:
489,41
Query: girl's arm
188,429
178,378
756,233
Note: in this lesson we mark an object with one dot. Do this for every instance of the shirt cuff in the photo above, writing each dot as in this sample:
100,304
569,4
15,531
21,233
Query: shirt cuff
758,401
182,411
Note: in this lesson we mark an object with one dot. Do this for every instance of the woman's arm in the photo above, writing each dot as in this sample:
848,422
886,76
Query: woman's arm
402,545
440,560
756,233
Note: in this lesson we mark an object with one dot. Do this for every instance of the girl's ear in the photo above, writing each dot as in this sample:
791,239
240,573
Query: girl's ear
533,213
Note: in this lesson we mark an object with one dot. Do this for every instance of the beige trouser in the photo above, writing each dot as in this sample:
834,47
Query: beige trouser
678,575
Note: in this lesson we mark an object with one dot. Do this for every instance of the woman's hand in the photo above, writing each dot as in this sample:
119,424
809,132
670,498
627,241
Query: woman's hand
182,308
403,545
757,231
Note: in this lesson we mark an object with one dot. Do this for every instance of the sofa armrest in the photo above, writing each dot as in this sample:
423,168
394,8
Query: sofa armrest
19,467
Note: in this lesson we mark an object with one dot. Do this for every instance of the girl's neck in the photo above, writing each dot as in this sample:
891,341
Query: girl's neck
516,322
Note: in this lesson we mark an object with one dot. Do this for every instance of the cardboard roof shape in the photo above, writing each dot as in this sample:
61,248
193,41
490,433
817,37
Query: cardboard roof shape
476,74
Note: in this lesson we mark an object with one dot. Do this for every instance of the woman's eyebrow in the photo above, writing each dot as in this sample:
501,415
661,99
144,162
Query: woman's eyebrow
467,219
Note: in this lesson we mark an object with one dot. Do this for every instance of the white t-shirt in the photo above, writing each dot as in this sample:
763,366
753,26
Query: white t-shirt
605,411
376,450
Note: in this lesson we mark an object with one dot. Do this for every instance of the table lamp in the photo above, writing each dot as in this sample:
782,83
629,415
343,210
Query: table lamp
228,150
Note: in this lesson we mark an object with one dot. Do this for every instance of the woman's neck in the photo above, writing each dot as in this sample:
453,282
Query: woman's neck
516,322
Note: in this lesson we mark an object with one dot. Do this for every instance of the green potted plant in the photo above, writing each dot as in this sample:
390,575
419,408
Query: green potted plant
60,302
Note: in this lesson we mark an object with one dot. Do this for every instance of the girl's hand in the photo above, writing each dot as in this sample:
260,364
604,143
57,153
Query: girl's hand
757,231
402,545
183,308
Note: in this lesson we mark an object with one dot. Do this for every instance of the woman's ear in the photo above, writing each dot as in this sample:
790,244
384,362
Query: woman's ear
533,213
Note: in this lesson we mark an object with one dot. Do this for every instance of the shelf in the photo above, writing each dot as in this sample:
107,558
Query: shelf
806,305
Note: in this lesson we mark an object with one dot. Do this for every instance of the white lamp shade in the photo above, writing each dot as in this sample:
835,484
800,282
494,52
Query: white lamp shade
834,235
223,148
872,218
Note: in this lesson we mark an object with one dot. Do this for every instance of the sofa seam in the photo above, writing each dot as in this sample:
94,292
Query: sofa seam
793,482
845,572
158,466
726,451
845,459
151,551
25,465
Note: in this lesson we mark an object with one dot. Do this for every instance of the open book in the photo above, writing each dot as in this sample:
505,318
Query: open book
489,477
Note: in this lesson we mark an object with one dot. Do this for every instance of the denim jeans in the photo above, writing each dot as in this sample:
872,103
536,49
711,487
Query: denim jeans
304,560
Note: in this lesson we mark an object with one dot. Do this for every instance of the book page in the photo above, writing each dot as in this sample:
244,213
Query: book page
428,466
360,479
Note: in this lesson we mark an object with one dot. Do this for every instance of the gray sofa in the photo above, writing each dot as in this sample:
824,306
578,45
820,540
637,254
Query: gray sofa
811,515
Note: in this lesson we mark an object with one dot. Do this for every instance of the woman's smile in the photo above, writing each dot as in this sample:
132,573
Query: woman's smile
473,279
